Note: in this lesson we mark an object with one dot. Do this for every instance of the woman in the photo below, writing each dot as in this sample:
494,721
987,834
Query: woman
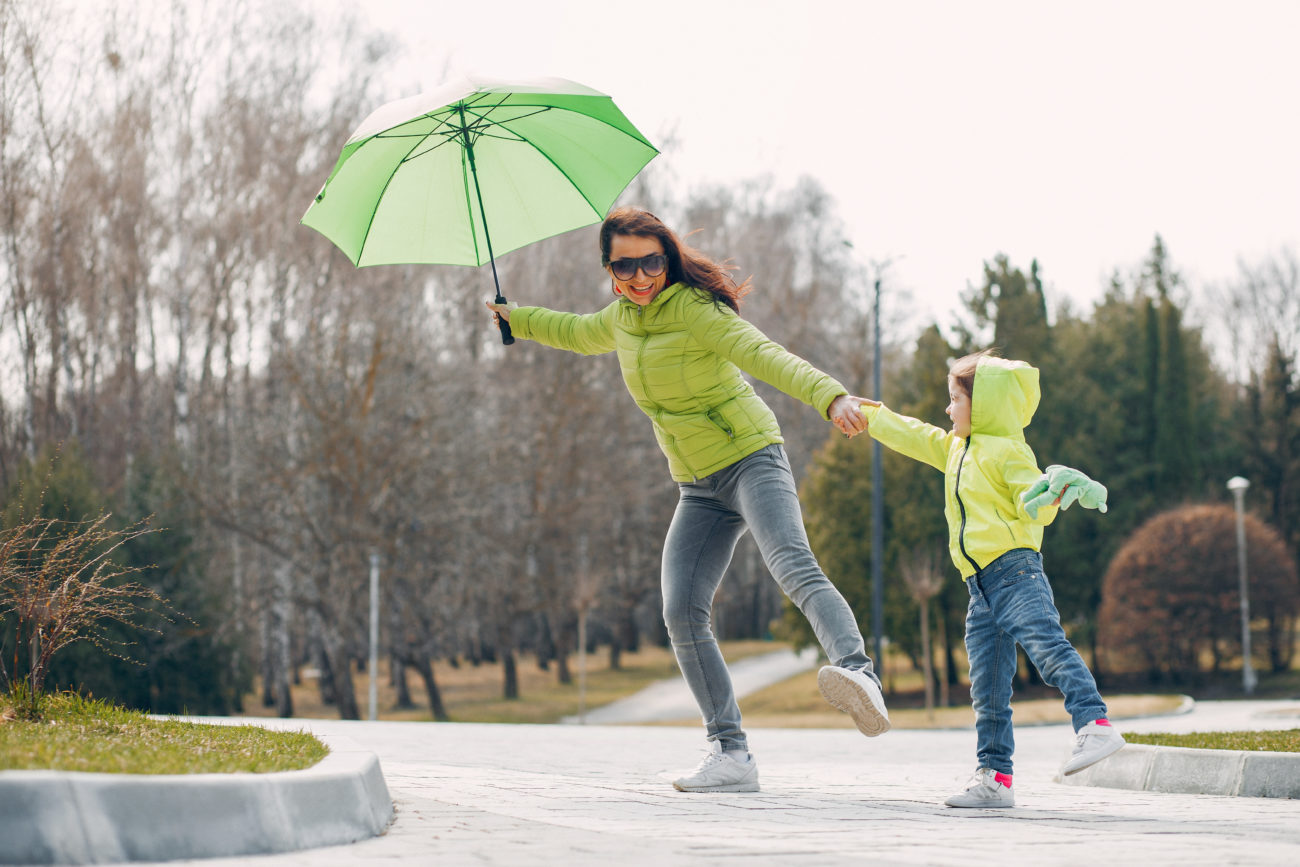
682,347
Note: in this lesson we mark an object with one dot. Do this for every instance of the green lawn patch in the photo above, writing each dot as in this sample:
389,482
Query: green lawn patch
77,734
1287,741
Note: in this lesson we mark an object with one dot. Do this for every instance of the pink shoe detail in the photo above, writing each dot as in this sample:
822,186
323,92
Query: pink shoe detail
1004,779
1103,722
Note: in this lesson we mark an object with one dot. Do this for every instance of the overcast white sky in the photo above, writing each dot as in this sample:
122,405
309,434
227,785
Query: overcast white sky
947,131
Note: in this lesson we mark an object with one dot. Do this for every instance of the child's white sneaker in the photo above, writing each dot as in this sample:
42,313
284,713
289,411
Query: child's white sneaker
721,772
855,693
1092,743
987,788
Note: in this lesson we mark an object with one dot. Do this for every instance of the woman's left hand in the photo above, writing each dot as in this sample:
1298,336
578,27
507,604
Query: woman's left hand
846,416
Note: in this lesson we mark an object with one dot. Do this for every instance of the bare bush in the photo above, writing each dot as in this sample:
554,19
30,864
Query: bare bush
60,583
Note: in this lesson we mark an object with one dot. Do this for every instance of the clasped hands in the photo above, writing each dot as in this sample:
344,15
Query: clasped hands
845,414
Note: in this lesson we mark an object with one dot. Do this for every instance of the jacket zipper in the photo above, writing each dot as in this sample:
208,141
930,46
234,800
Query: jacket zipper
961,532
640,356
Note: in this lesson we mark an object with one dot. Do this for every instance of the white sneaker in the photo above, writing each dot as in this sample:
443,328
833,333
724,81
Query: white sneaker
855,693
1092,743
984,790
720,772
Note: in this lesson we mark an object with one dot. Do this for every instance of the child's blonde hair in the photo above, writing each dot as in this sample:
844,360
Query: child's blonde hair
962,371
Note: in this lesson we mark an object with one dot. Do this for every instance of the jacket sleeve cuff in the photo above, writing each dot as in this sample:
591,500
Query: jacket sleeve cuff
826,395
519,322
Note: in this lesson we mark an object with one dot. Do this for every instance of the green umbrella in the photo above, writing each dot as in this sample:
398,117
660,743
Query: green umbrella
417,180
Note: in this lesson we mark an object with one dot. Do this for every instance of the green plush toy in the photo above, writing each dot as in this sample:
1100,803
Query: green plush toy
1070,485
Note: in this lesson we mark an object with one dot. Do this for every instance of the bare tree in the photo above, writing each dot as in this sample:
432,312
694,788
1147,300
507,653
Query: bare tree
924,580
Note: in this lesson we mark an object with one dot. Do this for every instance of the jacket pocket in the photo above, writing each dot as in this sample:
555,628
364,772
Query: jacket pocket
721,423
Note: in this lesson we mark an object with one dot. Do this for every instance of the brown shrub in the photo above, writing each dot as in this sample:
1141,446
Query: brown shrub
1170,597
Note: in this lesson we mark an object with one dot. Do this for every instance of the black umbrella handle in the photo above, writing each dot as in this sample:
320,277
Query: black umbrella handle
506,337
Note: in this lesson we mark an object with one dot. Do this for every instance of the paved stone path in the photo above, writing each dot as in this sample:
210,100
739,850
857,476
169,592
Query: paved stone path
585,795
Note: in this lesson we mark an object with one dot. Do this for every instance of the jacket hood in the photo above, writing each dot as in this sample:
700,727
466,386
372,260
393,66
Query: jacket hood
1004,398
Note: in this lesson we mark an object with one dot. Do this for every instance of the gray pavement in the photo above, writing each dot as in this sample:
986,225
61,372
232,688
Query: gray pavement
577,795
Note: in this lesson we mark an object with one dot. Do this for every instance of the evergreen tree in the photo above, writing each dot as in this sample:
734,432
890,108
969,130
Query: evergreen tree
1176,436
1272,438
1015,307
60,484
173,661
185,663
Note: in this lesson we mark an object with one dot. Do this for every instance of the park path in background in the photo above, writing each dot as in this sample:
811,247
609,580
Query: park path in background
670,699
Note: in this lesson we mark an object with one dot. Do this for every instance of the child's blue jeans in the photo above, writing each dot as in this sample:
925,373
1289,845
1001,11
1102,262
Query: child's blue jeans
1011,603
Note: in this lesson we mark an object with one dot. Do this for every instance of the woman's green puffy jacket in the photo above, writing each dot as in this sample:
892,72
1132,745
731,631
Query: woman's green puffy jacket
682,357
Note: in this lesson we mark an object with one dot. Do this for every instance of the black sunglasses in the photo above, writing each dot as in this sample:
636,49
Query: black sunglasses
653,265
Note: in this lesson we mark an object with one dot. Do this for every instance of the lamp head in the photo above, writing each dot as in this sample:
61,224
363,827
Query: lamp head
1237,483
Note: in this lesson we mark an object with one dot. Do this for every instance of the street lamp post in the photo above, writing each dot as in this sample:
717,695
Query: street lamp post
877,488
373,664
877,508
1238,486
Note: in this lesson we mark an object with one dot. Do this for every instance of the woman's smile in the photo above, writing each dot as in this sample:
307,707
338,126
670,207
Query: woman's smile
640,288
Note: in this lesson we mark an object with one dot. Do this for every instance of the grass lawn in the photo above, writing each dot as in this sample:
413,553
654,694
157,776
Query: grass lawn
82,735
1274,742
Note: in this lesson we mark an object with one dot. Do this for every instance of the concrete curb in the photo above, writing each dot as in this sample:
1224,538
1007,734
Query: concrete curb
57,817
1143,767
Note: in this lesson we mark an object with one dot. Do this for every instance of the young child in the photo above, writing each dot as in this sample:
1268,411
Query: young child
997,502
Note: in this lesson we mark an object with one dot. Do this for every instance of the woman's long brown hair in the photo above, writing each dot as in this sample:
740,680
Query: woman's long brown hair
685,264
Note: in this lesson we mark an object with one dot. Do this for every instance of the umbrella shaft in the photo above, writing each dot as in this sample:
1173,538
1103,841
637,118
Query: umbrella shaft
473,170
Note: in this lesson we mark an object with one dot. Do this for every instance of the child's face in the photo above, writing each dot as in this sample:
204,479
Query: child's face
958,409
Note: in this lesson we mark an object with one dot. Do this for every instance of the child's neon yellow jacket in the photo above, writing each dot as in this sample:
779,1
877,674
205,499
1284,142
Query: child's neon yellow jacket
682,357
984,474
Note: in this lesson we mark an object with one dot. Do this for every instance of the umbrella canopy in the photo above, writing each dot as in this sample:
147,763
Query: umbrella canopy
422,178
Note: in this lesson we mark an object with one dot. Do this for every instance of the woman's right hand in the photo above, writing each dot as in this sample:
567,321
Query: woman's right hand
501,311
845,414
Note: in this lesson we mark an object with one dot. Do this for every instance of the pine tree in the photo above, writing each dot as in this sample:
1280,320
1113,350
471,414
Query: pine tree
1273,441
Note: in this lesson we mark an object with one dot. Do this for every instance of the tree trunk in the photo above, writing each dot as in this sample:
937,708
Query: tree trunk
424,668
1097,674
546,649
927,663
345,695
582,664
325,676
399,681
267,666
631,636
949,668
325,670
280,607
560,642
511,690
